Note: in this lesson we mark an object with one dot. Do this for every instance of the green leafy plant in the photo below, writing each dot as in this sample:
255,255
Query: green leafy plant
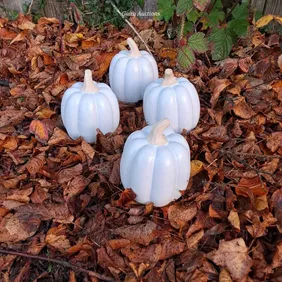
205,25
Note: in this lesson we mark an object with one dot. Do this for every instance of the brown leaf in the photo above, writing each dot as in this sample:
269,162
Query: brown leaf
201,5
274,141
87,149
153,253
196,167
126,196
59,137
119,243
18,227
255,185
224,276
276,202
20,195
193,240
36,163
67,174
39,129
140,233
115,173
199,276
242,109
72,276
57,238
76,186
10,143
217,86
233,255
11,117
216,133
233,218
279,62
44,113
180,213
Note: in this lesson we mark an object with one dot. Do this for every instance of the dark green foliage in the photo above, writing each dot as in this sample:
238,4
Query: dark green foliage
218,26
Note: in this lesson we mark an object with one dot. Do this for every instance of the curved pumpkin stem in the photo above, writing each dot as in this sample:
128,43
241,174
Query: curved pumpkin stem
133,48
156,136
169,78
88,86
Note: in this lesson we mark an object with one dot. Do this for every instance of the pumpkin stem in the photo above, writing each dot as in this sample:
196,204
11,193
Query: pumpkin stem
88,85
133,48
156,136
169,78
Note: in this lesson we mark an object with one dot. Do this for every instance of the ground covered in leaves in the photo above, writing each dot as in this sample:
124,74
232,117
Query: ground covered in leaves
63,199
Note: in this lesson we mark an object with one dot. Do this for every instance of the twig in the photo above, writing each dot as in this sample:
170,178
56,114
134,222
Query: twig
29,7
61,262
132,27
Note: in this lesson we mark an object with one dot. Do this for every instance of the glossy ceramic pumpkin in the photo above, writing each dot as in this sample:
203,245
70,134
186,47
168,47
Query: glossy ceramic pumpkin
88,106
131,72
155,164
173,98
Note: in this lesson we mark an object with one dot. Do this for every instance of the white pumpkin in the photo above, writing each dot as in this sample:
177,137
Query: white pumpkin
173,98
88,106
131,72
155,164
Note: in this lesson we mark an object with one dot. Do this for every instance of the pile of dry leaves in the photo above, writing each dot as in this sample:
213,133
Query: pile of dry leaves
63,199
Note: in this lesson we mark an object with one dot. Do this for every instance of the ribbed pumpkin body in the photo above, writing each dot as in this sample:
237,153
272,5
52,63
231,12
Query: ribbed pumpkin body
82,113
130,75
178,102
156,173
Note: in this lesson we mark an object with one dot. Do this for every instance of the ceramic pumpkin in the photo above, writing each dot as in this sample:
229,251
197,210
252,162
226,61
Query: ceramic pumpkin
131,72
87,106
172,98
155,164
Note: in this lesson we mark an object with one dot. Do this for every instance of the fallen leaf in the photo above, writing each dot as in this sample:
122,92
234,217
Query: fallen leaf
233,218
76,186
87,149
44,113
153,253
67,174
140,233
264,21
255,185
126,196
57,238
18,227
242,109
217,86
274,141
59,137
233,255
196,167
217,134
35,163
39,129
224,276
180,214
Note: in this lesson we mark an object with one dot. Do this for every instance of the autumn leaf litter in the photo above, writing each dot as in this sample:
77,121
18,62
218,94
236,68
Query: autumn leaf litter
63,198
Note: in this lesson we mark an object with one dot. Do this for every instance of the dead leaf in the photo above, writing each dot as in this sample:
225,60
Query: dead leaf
153,253
264,21
18,227
196,167
274,141
233,255
39,129
140,233
67,174
255,185
233,218
35,163
180,214
87,149
224,276
76,186
217,134
57,238
44,113
59,137
126,196
217,86
242,109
